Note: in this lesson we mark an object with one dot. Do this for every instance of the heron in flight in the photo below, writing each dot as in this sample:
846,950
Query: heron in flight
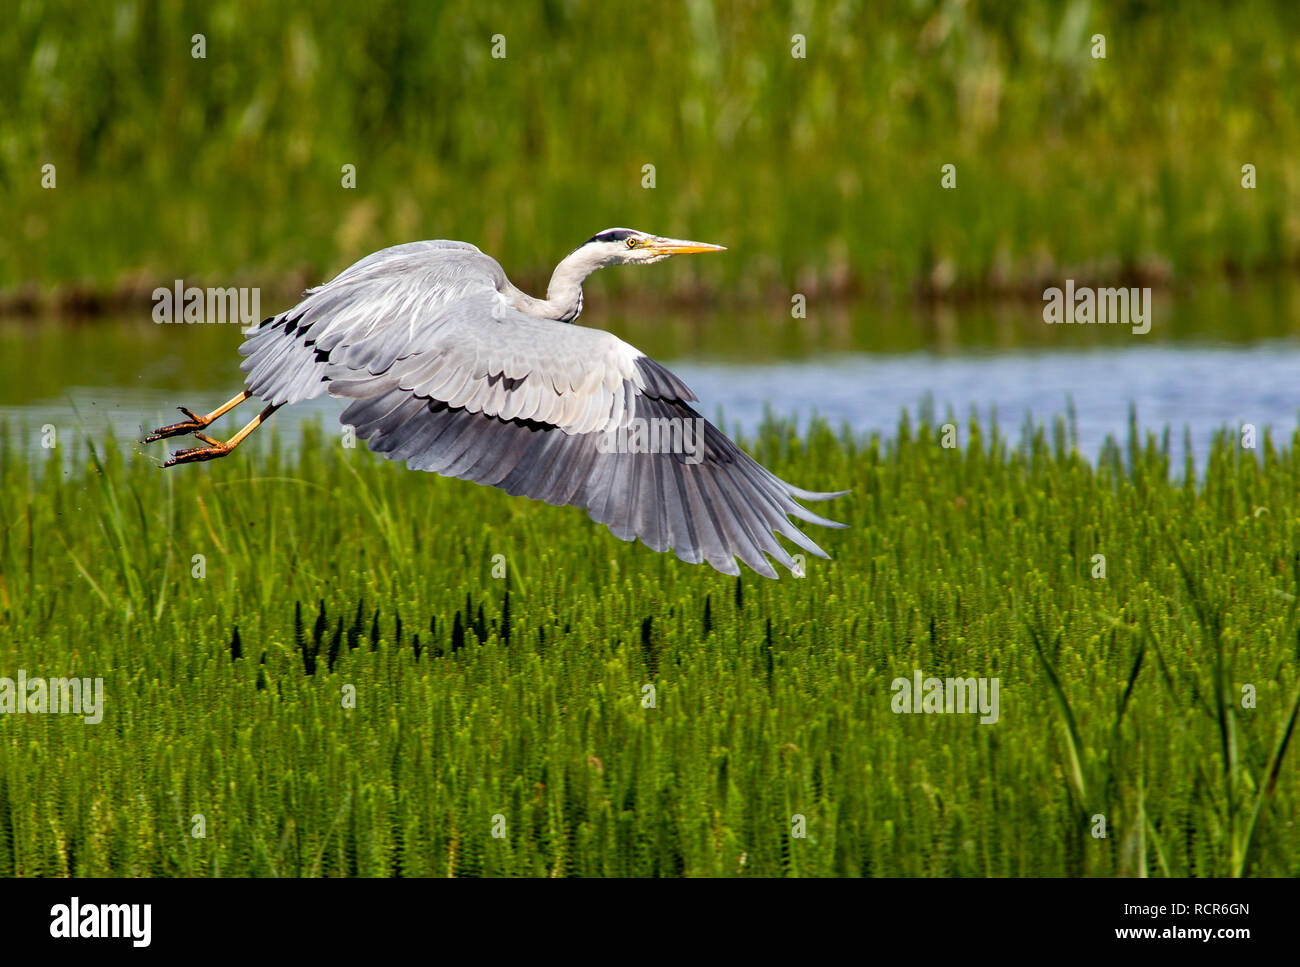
453,369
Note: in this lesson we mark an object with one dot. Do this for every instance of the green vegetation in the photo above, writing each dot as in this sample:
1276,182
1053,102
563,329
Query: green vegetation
821,173
224,694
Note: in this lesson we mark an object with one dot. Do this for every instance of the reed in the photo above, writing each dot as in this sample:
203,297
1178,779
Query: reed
346,668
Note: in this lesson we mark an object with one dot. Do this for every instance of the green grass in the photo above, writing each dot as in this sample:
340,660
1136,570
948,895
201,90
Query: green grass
819,173
1120,697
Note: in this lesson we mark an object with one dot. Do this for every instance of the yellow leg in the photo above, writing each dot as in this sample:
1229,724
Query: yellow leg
216,448
196,422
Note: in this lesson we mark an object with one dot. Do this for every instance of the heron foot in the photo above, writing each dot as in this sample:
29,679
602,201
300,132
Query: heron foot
191,425
198,454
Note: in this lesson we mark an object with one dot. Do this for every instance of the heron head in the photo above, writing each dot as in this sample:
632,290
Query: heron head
627,246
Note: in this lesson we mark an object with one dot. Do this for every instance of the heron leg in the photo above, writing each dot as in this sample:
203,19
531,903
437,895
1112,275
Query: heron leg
195,422
215,448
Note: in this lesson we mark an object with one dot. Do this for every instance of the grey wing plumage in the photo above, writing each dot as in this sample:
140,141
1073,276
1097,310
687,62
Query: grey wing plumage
288,354
464,385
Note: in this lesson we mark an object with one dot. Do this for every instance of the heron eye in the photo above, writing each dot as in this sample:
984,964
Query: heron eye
631,243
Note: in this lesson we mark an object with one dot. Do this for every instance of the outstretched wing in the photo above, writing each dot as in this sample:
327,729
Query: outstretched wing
564,414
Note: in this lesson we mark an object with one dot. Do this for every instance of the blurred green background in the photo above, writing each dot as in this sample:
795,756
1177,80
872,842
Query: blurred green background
822,174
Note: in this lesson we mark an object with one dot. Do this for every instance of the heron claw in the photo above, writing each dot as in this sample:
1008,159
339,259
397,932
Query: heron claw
191,425
197,454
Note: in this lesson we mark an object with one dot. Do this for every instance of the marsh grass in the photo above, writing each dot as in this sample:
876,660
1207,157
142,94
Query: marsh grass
521,697
821,173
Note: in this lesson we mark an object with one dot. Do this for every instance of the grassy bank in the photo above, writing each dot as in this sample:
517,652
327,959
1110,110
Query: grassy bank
822,173
517,703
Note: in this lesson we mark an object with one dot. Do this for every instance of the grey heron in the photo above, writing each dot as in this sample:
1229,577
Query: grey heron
453,369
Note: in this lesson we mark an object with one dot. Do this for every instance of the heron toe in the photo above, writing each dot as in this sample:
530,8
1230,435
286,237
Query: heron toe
177,429
197,454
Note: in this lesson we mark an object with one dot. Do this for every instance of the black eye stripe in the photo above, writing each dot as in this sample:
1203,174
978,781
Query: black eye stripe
614,235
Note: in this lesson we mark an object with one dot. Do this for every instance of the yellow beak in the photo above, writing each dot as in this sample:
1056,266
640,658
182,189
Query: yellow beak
680,246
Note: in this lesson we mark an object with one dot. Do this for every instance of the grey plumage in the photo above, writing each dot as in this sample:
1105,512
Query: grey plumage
453,370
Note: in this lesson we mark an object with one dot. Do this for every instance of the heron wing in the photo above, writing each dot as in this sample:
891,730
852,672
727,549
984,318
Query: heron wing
480,354
373,300
569,415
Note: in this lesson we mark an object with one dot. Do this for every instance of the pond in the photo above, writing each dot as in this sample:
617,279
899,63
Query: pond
1216,357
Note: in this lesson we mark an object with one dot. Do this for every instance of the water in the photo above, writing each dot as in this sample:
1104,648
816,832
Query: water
1219,360
1201,388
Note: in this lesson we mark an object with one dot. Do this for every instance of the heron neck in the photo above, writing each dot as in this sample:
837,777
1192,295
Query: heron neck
564,295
